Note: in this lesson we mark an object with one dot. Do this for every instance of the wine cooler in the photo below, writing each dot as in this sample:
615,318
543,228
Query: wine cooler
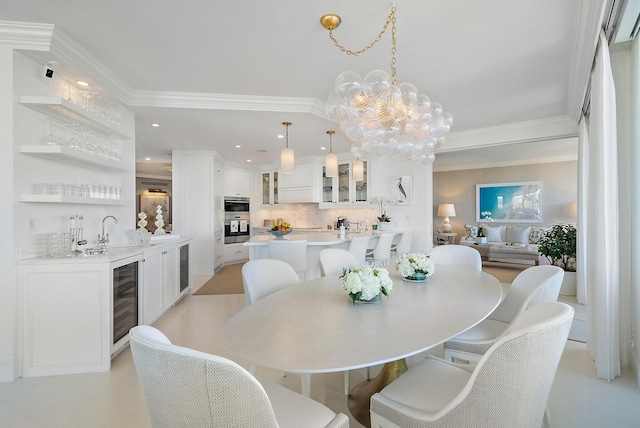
125,300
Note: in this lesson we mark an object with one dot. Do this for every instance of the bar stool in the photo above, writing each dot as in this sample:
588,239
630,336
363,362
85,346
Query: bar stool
358,247
403,246
382,252
293,252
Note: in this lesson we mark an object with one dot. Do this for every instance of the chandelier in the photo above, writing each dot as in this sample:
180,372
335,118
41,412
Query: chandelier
380,117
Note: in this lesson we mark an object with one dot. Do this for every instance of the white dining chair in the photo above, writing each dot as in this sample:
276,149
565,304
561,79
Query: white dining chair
508,388
403,246
263,277
293,252
185,388
358,247
456,255
533,285
333,260
382,252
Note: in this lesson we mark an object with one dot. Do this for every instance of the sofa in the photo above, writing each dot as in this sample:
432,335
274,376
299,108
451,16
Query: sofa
506,243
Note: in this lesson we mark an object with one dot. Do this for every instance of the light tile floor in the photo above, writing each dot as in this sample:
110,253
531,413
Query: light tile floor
114,399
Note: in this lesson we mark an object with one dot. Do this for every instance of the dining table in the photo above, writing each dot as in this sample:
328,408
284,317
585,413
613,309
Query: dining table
314,327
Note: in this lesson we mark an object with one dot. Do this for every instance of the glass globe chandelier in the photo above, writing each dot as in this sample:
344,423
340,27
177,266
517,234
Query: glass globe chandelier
380,117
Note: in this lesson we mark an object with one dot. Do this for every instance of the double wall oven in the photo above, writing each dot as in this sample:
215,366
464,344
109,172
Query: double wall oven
236,220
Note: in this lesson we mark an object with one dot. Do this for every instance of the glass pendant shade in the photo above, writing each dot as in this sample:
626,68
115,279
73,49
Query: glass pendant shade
286,160
358,170
331,165
286,154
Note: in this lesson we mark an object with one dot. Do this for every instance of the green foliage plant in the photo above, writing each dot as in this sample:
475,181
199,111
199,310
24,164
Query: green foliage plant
558,245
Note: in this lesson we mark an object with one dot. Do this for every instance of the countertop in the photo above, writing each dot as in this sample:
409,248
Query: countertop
317,238
116,252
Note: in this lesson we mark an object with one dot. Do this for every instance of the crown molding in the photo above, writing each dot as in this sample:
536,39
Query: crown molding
71,52
209,101
499,164
26,35
523,132
589,16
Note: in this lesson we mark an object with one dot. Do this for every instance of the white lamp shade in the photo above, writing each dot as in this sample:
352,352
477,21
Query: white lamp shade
446,210
358,170
331,167
286,160
572,210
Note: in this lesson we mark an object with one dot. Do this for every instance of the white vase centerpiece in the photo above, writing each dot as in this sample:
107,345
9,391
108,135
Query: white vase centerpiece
365,283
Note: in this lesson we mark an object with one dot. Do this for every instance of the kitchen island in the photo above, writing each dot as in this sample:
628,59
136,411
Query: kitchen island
259,249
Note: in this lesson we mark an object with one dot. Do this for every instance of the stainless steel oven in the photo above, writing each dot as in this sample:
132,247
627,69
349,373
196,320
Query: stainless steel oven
236,220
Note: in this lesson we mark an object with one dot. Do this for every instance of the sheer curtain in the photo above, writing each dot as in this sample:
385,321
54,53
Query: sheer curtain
583,187
602,268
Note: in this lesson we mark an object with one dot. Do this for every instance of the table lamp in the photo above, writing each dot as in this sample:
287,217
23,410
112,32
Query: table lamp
446,211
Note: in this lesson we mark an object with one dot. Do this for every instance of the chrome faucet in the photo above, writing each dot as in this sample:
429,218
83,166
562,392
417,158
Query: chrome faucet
103,239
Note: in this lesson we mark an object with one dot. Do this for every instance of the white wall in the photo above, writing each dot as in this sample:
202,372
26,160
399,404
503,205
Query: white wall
559,187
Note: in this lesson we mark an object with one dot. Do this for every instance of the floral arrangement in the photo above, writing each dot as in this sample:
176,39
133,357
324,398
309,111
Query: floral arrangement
383,202
159,221
414,265
142,223
365,283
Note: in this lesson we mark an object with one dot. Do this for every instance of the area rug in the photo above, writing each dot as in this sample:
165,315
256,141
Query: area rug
227,280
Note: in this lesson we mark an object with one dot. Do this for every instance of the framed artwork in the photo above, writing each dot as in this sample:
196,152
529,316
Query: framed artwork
402,189
148,204
509,202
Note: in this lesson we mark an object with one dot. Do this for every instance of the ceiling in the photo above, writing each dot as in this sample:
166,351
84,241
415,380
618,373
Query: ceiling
219,74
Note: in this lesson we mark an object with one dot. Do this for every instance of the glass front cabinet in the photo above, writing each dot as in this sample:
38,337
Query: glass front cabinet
344,190
269,187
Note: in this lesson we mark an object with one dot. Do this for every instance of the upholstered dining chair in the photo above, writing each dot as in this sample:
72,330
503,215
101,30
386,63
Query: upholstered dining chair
293,252
533,285
333,260
382,252
263,277
508,388
358,247
456,255
187,388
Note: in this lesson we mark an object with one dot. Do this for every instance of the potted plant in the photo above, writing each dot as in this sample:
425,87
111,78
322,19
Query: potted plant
383,218
558,245
480,238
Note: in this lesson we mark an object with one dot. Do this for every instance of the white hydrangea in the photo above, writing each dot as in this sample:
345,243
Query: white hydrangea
409,264
366,282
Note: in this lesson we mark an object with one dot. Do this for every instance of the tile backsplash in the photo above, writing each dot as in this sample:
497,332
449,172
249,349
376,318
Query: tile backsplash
309,215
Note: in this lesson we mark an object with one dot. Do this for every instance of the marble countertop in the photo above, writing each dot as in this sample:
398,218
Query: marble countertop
323,238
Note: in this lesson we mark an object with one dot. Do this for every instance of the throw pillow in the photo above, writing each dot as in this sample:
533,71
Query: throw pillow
536,234
471,231
517,234
493,233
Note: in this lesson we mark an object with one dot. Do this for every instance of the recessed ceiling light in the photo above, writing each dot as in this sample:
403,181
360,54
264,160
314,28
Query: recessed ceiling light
155,125
249,160
81,83
237,146
323,148
147,158
280,136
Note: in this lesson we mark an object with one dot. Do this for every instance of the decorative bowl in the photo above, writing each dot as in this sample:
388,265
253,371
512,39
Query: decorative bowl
280,233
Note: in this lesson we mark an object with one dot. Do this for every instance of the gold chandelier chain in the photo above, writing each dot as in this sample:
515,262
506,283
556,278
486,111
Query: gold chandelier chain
391,19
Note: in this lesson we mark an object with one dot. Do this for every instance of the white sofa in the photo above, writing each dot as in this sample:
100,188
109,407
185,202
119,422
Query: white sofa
506,243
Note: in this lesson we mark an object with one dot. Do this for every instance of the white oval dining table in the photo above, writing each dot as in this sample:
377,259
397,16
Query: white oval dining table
313,327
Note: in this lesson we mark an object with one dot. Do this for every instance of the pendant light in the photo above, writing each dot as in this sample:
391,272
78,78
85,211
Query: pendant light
286,154
358,170
330,159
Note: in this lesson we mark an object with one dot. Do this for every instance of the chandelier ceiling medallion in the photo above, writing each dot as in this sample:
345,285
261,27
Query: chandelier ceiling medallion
380,117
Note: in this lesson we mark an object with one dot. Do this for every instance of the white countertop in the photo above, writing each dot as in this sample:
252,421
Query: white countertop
116,252
323,238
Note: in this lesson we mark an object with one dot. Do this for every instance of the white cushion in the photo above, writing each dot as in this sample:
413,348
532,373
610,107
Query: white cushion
294,410
518,234
471,231
493,233
444,383
488,329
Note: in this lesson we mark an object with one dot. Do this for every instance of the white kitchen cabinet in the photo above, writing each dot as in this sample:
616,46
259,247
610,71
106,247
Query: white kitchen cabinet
235,253
66,318
219,250
237,181
152,305
299,186
269,188
171,276
343,190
